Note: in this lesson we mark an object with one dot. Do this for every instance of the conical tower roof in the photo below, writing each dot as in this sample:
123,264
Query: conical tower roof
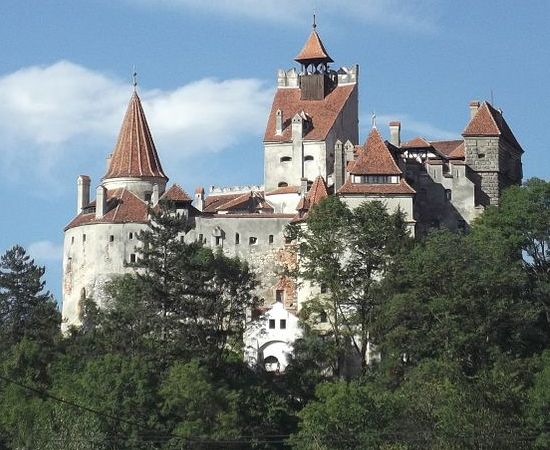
135,155
374,158
313,51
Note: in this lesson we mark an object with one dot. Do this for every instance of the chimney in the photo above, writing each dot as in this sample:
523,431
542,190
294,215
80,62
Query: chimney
83,192
474,106
338,165
199,198
100,202
303,186
395,133
297,127
155,196
279,122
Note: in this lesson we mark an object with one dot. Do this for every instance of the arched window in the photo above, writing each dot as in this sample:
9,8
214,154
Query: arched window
286,159
282,184
308,158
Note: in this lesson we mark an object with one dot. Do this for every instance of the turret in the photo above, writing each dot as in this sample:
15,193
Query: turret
135,164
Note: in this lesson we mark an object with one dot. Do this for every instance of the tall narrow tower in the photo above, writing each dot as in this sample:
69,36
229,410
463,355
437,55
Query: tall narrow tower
313,109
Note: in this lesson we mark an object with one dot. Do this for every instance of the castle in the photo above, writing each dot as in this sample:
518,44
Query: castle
311,149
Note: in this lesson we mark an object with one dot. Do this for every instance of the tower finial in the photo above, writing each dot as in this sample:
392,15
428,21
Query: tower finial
134,78
373,119
314,20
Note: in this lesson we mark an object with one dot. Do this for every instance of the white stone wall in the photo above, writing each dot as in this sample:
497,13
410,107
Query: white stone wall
92,255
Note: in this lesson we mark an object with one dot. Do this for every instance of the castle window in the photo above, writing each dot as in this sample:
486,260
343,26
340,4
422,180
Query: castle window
272,324
111,238
237,238
308,158
270,239
132,257
252,240
282,184
448,194
279,295
148,196
201,238
72,240
130,235
323,317
309,184
83,238
324,288
218,240
481,155
282,324
285,159
182,238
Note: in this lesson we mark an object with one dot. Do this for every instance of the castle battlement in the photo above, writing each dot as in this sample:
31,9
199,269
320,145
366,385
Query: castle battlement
220,190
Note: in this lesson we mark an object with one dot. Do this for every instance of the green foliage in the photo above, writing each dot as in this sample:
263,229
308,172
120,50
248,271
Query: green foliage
26,310
466,306
348,253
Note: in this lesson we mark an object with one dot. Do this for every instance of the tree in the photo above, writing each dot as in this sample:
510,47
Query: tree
467,306
184,301
346,254
26,310
519,229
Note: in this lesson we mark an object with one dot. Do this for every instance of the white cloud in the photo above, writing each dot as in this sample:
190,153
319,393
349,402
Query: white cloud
45,251
418,14
409,126
49,113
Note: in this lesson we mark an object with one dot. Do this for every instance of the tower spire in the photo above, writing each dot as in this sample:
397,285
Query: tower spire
314,20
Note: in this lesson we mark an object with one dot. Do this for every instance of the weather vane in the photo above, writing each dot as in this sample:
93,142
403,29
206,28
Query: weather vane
314,21
134,78
373,119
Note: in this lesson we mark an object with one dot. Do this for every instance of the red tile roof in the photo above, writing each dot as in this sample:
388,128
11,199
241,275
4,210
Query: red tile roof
374,158
417,142
122,207
213,201
447,147
313,51
284,190
487,121
176,193
387,189
323,113
458,152
135,154
316,193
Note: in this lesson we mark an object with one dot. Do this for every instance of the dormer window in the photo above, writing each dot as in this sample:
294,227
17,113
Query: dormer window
282,184
375,179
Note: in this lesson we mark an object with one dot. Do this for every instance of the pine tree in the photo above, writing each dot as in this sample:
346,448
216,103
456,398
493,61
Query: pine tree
26,309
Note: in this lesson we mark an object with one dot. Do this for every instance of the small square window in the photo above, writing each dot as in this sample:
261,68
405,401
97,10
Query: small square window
218,241
323,317
252,240
270,239
111,238
83,238
282,324
448,194
130,235
279,295
324,288
200,238
132,257
272,324
237,238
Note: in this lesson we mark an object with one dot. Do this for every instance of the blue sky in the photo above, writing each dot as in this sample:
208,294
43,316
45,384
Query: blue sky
207,72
